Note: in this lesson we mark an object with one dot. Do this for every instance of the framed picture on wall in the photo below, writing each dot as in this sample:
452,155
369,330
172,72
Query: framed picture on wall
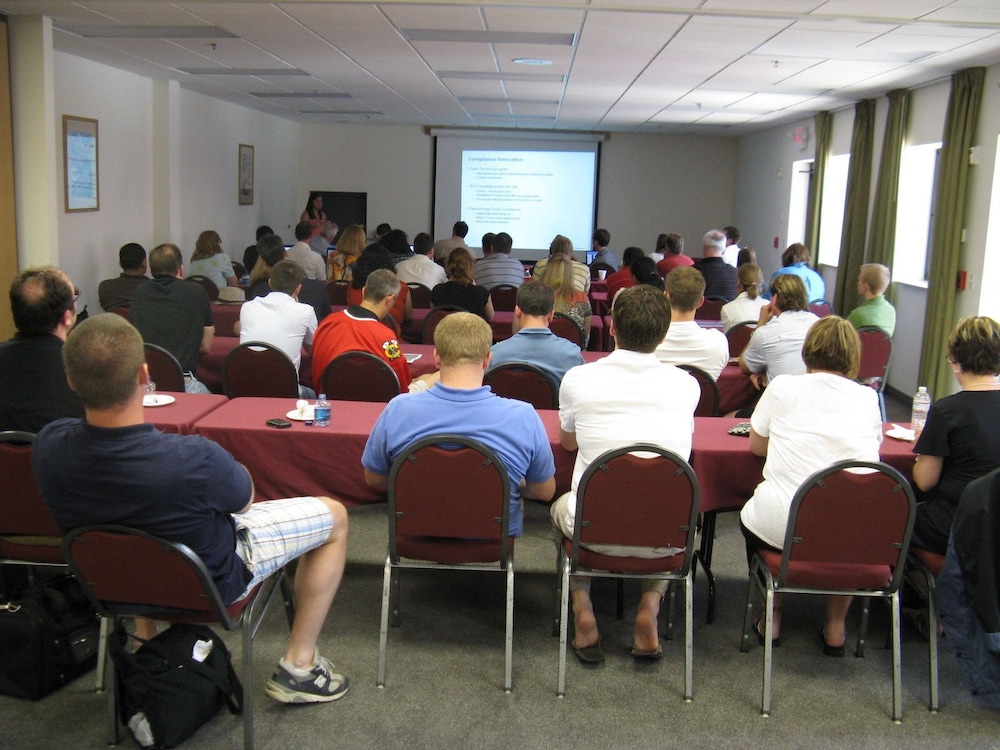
246,175
80,164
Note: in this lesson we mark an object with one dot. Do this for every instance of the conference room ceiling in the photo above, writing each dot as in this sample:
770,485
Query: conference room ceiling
718,67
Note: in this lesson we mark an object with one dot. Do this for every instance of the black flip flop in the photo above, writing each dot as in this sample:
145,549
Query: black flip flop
589,655
654,655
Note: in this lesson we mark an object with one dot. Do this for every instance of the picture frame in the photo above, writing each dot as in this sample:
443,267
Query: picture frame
245,177
81,183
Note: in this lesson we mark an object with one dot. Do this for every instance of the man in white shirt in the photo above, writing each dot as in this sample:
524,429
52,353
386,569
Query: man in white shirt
649,403
732,251
687,343
310,261
776,346
420,268
279,319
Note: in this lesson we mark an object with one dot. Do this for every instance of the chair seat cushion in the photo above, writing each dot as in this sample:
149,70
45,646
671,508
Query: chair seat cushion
450,551
33,549
597,561
845,576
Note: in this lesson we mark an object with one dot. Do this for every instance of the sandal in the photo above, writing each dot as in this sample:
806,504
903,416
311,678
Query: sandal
775,642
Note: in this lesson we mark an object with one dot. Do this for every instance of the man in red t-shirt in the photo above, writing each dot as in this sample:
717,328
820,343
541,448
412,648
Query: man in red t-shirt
360,328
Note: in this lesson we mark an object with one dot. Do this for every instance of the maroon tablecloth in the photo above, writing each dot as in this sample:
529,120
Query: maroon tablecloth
180,416
226,316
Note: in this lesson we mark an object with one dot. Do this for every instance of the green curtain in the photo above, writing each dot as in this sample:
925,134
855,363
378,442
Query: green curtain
823,125
882,232
859,181
949,217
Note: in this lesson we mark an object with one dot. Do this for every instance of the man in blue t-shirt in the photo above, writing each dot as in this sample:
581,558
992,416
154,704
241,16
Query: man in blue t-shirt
111,467
461,404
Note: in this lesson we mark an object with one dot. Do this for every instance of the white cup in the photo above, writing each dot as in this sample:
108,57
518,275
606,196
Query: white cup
602,274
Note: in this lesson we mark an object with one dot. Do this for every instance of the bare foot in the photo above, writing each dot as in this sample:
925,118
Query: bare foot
646,637
584,621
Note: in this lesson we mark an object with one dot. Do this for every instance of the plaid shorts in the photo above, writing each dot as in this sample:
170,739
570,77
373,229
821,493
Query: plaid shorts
275,532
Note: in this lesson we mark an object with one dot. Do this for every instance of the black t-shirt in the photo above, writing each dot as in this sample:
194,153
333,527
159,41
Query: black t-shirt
33,387
173,313
472,298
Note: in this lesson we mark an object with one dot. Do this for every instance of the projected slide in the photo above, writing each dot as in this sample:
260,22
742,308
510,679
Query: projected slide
532,195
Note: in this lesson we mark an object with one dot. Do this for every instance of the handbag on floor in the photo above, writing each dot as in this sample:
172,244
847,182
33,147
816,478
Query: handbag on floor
48,637
174,683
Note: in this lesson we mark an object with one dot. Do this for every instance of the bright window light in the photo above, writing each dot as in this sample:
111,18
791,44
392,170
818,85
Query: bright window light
915,212
831,222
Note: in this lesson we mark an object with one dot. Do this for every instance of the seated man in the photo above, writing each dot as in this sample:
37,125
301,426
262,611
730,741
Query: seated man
174,313
111,467
795,260
279,319
648,403
271,252
312,262
117,292
420,268
599,243
687,343
461,404
776,346
33,389
532,341
873,280
360,328
499,266
720,277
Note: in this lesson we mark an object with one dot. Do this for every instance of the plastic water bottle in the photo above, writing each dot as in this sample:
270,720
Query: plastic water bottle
921,405
321,414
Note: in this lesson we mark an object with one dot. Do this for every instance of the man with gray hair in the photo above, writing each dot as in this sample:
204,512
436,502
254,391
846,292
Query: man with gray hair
720,277
360,328
321,242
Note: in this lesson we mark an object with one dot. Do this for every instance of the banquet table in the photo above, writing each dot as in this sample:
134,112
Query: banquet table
179,417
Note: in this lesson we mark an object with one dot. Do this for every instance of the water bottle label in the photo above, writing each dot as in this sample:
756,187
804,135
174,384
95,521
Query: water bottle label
321,415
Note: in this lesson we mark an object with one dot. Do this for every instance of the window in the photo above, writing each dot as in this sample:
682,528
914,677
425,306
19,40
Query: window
915,212
802,172
831,220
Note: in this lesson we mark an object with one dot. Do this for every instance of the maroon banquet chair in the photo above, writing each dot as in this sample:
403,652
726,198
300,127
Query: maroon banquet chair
711,309
563,325
596,268
256,368
207,284
359,376
708,403
739,336
420,296
820,308
504,297
525,382
164,369
873,371
434,317
336,292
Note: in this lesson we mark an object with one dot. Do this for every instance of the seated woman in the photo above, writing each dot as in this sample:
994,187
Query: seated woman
558,274
804,423
209,260
374,257
348,250
960,441
460,289
746,306
623,277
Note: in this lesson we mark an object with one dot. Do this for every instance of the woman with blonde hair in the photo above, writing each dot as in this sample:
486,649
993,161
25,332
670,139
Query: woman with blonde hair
558,275
784,429
210,261
960,442
349,248
746,306
460,289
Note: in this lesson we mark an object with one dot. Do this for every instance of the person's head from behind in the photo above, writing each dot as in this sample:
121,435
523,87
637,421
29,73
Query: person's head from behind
209,243
382,230
974,345
732,235
674,244
832,345
503,243
396,242
271,249
795,253
561,246
488,243
685,288
372,258
746,255
558,275
303,231
132,258
644,272
262,231
640,317
380,284
166,260
423,244
788,292
103,356
631,254
462,338
661,243
329,231
535,298
873,279
713,244
748,278
352,240
41,299
459,266
286,276
602,237
460,229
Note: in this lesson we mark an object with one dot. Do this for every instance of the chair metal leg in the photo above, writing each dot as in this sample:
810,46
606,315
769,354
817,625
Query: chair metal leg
112,704
932,644
748,614
248,691
620,599
671,596
288,599
765,703
688,636
704,555
859,652
383,631
563,620
508,678
556,617
897,678
102,653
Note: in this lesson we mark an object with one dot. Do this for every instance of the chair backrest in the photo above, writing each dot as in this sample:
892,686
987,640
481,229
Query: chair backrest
336,292
851,513
434,317
22,510
563,325
876,349
164,369
256,368
123,570
525,382
239,270
359,376
454,489
420,296
820,308
708,404
124,310
711,309
639,495
207,284
739,336
504,297
596,268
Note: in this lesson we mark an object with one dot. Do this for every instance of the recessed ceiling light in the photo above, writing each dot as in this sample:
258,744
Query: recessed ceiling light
530,61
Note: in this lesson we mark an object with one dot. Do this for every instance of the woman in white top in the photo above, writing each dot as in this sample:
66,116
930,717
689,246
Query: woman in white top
804,423
746,306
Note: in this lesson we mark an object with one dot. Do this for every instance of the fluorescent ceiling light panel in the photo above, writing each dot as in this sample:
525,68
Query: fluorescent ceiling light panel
243,71
300,95
488,37
478,76
149,32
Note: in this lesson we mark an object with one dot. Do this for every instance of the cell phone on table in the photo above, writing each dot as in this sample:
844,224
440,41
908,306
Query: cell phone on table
278,423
